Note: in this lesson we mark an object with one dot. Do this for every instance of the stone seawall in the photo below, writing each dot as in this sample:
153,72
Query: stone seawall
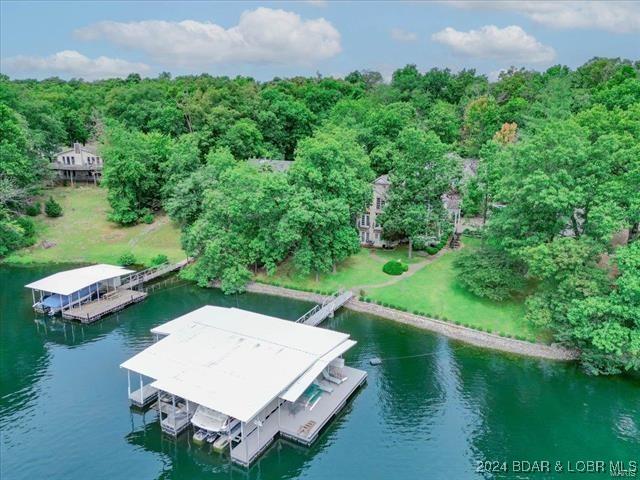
457,332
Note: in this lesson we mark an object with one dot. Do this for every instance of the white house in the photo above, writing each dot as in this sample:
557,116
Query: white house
80,163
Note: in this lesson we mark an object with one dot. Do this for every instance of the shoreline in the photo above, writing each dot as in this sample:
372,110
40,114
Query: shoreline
449,330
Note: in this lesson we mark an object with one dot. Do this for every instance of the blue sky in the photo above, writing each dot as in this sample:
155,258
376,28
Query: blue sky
266,39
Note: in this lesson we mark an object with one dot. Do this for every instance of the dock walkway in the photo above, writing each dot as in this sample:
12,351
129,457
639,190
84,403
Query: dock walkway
91,311
317,314
152,273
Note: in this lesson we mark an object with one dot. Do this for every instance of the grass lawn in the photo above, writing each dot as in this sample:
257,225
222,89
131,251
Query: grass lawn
363,268
83,233
432,290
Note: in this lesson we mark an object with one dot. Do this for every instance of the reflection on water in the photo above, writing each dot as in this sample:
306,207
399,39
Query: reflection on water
430,410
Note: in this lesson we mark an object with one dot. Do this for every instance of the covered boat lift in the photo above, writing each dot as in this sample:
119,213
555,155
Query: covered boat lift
71,291
275,377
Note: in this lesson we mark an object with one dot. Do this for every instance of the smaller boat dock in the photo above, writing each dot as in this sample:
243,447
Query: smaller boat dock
89,293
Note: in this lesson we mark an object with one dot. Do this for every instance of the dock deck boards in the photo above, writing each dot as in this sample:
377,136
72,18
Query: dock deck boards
289,423
92,311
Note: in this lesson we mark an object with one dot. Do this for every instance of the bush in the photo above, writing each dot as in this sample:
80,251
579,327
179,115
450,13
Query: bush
395,267
127,259
34,209
159,260
52,208
147,218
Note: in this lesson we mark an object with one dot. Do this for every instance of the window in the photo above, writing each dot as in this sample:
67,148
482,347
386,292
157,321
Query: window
364,220
379,203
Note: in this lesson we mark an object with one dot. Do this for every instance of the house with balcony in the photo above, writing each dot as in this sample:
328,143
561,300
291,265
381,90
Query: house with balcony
81,163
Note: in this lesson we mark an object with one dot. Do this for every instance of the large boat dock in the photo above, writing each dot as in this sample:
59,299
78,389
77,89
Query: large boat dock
253,376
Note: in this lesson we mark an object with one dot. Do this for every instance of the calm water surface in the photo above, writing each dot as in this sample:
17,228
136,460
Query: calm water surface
64,412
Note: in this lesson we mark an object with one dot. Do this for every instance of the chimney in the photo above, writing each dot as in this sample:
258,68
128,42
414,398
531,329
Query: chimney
76,147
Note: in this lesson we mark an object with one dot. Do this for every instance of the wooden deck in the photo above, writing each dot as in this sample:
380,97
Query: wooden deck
295,422
91,311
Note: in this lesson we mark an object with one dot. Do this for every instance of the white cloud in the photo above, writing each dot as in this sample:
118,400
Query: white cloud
70,63
400,35
509,44
612,16
262,36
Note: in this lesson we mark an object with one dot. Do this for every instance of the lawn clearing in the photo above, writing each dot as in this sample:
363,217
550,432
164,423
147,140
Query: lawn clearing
434,291
84,235
431,289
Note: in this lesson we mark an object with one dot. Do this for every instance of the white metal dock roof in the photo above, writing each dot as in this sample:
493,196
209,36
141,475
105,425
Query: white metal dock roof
235,361
70,281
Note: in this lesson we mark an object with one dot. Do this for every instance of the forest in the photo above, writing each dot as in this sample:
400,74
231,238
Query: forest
557,183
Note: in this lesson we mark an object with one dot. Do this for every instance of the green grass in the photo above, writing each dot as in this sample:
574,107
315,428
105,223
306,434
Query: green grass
84,235
434,291
363,268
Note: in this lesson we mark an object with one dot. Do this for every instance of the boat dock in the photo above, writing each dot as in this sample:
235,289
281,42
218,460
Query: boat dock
319,313
259,377
89,293
109,303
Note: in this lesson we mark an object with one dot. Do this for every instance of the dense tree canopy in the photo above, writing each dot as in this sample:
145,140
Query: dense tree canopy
557,156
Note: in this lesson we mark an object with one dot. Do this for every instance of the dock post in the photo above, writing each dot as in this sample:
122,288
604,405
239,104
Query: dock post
129,383
141,392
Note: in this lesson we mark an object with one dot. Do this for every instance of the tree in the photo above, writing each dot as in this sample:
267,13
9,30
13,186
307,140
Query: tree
244,140
52,208
489,273
238,227
132,171
444,120
481,121
331,178
421,175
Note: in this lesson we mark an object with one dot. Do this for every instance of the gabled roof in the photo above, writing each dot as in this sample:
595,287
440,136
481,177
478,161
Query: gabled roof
70,281
382,180
89,148
235,361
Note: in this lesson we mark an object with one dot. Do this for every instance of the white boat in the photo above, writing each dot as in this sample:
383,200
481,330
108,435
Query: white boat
213,422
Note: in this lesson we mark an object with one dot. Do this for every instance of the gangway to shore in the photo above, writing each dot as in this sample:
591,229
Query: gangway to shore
317,314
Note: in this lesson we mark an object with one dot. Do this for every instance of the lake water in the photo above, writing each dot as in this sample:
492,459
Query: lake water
64,412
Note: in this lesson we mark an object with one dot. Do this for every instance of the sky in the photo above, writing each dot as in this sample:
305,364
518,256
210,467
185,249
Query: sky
98,39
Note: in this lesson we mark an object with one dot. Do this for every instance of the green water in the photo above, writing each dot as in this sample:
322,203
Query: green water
64,412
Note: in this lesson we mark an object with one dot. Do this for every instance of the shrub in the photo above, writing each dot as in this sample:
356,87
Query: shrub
147,218
394,267
34,209
52,208
127,259
159,260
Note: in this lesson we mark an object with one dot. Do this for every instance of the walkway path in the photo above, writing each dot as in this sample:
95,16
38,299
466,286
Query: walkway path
413,268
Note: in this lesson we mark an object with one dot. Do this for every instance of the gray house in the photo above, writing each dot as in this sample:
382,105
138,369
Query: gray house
78,164
370,230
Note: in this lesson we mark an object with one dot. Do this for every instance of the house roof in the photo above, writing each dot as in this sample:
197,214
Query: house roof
382,180
70,281
91,148
235,361
275,165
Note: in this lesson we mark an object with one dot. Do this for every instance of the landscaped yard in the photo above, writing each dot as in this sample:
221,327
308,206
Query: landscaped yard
430,287
83,233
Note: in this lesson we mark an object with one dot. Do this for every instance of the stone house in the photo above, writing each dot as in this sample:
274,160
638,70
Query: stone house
78,164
